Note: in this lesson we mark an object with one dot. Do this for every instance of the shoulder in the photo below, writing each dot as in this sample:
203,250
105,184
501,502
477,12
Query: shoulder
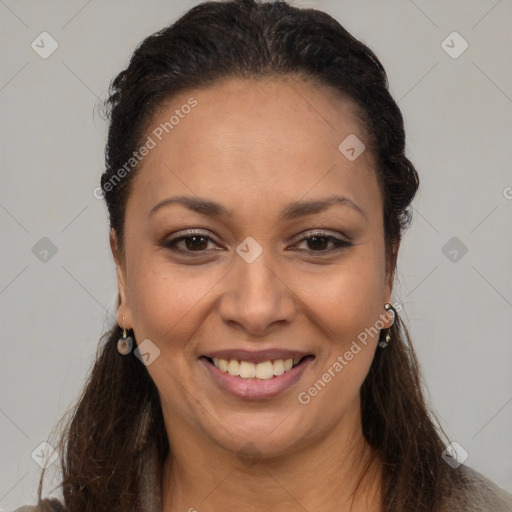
47,505
473,493
476,493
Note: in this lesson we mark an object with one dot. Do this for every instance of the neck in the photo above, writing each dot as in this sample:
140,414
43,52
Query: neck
323,475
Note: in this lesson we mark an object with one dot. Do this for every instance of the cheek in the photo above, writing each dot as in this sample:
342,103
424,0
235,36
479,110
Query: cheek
346,298
166,298
354,318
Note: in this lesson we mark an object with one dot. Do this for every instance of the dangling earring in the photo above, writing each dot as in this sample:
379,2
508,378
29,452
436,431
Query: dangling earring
387,307
124,344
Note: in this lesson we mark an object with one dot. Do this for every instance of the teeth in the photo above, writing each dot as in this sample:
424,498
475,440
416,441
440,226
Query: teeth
247,370
223,364
234,367
264,370
278,367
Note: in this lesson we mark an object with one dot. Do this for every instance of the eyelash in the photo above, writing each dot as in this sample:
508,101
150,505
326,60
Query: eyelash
339,244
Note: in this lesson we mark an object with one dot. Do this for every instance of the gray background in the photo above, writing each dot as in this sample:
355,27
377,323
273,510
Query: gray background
458,115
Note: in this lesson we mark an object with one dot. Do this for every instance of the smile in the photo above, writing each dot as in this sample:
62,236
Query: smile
256,376
249,370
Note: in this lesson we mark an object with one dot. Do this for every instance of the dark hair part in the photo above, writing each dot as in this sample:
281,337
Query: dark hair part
119,412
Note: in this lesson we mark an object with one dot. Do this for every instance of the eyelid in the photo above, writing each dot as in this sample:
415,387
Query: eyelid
170,242
339,241
321,232
207,234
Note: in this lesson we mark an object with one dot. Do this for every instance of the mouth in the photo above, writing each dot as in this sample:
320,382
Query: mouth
263,370
256,375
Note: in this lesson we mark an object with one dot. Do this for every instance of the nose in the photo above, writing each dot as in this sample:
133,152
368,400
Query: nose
257,298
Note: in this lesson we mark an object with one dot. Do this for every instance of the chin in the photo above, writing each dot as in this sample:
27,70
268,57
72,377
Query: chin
262,435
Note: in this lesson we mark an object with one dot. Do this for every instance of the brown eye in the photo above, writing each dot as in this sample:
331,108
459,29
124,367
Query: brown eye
318,243
193,244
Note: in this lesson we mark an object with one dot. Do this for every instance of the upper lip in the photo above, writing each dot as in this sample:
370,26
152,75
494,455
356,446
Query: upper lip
257,356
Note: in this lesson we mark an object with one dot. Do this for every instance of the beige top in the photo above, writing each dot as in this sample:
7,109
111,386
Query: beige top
480,495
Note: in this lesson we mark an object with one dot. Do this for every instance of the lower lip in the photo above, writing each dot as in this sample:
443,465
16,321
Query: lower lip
256,389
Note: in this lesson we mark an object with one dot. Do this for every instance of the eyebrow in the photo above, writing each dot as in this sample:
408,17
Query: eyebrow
292,211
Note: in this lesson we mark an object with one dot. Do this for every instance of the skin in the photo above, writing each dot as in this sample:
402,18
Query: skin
255,147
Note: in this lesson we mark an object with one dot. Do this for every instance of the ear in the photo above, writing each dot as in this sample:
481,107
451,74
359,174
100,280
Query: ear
390,273
123,306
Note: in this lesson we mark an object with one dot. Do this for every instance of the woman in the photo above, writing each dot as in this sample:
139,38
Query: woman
258,190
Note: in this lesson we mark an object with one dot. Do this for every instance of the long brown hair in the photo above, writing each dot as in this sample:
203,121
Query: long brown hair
119,412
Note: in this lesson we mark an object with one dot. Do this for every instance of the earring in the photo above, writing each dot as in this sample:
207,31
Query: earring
387,307
124,344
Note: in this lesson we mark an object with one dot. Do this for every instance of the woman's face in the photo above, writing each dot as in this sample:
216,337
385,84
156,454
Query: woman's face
264,275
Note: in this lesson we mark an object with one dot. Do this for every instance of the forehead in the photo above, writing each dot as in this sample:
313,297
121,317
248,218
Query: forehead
273,139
